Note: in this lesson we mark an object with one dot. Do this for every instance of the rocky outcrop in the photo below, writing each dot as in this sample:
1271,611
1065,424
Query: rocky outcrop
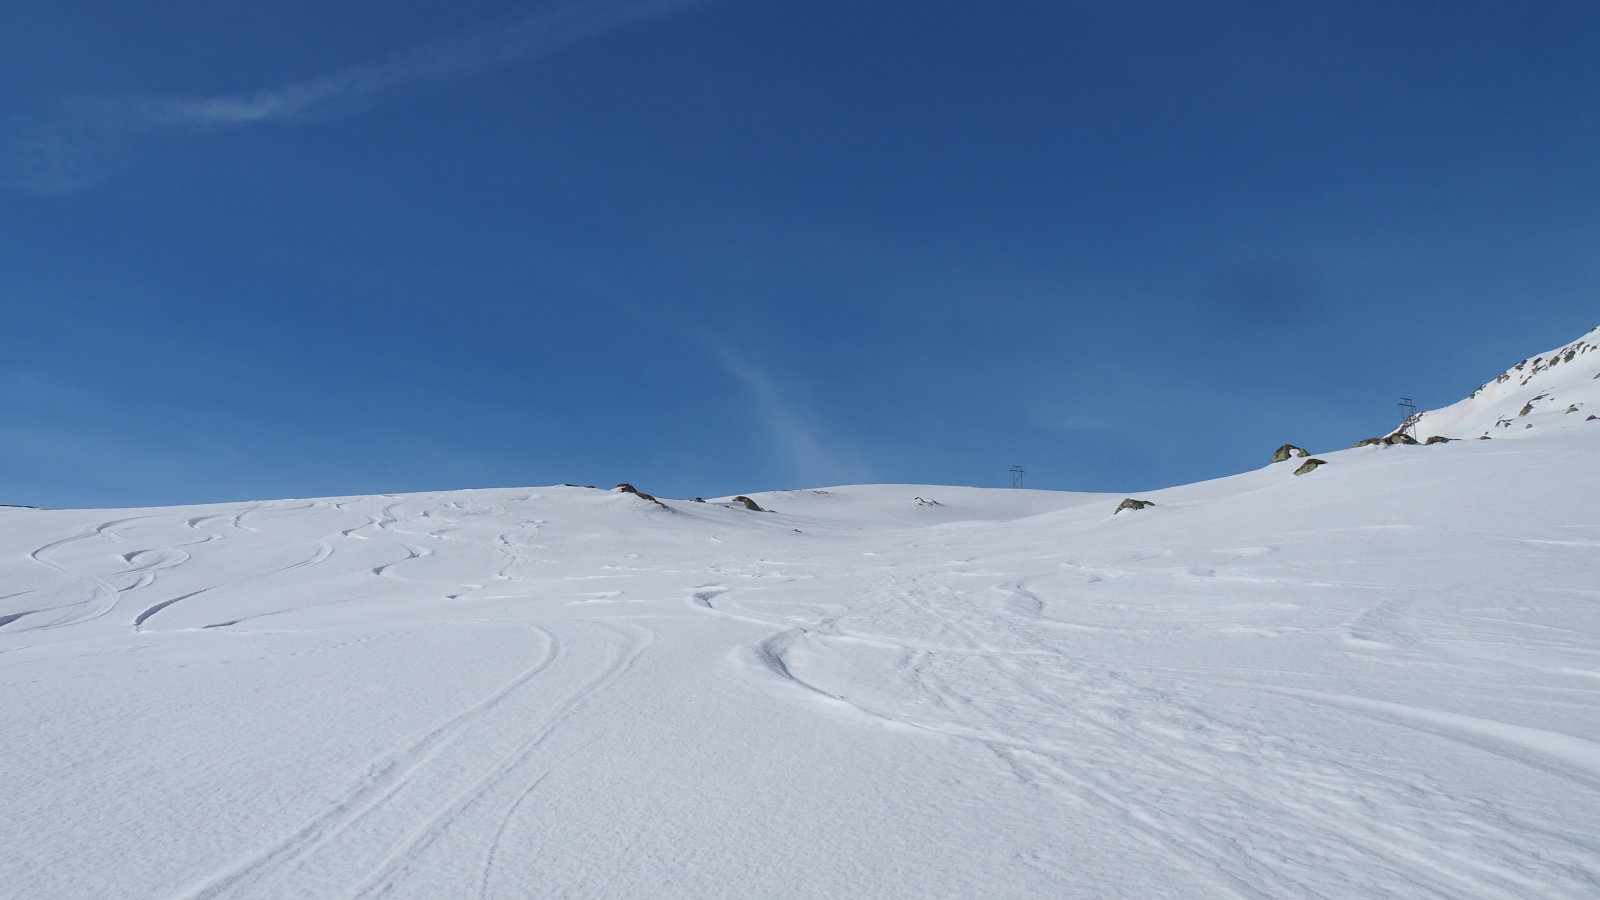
1534,391
1288,450
1310,465
1400,437
748,503
1131,503
1438,439
1368,442
626,488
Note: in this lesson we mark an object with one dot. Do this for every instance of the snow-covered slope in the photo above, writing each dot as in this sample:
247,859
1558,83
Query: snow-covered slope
1378,679
1553,390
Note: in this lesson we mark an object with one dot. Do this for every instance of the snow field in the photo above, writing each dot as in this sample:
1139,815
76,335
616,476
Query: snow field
1378,679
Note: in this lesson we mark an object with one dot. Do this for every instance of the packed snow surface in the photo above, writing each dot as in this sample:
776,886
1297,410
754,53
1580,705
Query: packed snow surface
1378,679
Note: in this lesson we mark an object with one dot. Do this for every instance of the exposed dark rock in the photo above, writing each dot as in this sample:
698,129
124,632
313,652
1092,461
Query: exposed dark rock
699,499
1131,503
1310,465
1484,437
748,503
1573,408
1438,439
1591,418
626,488
1526,409
1400,438
1367,442
1284,452
927,501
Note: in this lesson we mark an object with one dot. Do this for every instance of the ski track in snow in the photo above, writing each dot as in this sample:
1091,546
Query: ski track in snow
1256,719
1227,764
379,784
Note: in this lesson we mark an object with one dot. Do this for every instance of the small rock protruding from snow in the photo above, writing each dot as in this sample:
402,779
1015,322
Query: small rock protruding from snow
1131,503
927,501
748,503
1311,465
626,488
1287,450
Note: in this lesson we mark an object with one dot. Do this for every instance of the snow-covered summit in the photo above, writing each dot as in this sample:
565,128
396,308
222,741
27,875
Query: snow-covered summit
1554,390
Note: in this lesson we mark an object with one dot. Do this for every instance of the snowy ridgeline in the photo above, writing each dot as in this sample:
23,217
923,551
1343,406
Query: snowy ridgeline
1381,679
1558,389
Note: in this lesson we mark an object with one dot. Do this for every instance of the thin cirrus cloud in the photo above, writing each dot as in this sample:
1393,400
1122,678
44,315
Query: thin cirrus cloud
807,454
81,141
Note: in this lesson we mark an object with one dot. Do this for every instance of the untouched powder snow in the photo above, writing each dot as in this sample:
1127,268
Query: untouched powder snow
1379,679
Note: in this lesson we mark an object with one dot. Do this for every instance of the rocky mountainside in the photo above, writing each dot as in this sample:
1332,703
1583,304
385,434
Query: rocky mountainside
1556,390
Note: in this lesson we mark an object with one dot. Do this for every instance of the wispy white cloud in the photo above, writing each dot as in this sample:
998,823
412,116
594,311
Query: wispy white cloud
83,140
807,451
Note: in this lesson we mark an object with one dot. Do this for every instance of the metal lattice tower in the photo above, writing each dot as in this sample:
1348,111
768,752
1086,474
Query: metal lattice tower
1016,476
1408,415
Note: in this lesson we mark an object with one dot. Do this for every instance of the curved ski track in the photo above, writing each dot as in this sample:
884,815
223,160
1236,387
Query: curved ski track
985,670
995,661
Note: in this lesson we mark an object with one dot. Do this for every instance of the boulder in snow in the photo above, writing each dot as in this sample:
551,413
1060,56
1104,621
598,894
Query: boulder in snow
626,488
1287,450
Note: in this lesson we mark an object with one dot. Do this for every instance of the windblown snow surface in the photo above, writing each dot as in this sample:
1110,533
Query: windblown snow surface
1379,679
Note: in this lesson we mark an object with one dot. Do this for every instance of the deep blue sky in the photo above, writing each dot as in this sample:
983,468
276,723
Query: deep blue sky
271,249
